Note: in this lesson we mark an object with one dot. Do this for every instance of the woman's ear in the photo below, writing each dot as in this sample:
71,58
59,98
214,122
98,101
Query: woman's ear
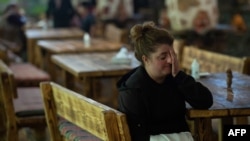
144,59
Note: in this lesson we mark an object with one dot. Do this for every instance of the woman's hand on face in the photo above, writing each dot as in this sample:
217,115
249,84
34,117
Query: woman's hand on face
175,63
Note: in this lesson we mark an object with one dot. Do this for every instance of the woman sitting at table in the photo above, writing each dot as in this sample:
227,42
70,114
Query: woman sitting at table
153,95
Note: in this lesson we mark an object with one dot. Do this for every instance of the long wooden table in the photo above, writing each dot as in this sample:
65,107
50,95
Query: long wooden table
89,67
33,35
50,47
228,104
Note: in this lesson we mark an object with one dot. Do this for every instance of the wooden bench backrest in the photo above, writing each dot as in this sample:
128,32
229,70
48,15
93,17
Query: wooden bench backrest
123,126
7,93
96,118
115,34
4,54
211,61
10,82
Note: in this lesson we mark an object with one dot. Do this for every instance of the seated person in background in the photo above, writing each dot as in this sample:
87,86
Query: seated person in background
203,35
86,17
164,21
12,28
121,18
60,12
153,95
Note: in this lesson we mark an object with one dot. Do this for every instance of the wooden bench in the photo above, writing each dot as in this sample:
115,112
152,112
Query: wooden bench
212,61
26,110
115,34
71,115
25,73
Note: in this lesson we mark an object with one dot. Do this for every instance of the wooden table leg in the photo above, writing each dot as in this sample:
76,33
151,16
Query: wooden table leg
96,88
203,129
230,121
38,56
50,67
31,51
88,86
115,92
68,80
223,121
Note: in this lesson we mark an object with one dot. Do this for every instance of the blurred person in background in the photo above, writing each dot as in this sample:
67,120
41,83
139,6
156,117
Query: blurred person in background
12,26
121,18
163,20
86,17
61,12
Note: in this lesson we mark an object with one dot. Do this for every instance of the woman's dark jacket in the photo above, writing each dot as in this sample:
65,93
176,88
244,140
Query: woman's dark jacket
153,108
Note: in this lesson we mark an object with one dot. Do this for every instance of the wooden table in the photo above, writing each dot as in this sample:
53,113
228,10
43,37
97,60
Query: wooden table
90,67
50,47
33,35
227,104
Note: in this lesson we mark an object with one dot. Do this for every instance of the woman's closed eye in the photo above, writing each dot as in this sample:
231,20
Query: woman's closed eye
164,56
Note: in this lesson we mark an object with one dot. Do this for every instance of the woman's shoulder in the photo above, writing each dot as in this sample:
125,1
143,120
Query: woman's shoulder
137,79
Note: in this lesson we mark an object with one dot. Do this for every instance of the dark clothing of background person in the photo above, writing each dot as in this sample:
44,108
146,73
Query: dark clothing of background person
61,15
86,16
19,22
16,20
152,108
12,29
87,22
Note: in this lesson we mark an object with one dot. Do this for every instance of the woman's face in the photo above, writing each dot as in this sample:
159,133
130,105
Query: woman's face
159,63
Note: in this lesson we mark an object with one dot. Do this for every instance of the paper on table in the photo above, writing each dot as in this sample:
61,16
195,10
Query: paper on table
122,57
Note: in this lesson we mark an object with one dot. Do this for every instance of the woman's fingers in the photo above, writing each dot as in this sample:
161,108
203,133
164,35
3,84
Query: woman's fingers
175,67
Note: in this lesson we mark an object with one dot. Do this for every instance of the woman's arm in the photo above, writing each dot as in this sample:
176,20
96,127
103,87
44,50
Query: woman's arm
131,103
196,94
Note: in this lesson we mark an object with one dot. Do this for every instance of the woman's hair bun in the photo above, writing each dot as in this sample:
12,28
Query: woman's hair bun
139,30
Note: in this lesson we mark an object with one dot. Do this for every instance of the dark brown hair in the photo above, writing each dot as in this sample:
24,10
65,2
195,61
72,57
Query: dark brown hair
146,37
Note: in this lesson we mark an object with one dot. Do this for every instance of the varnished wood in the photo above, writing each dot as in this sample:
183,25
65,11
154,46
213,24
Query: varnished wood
88,67
33,35
92,64
223,108
213,62
25,74
50,47
100,120
11,122
74,46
